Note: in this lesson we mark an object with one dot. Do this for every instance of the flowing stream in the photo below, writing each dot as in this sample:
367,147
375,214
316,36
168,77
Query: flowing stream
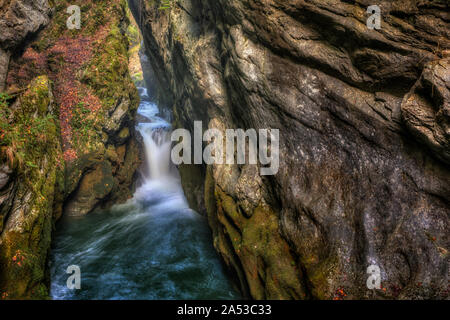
152,247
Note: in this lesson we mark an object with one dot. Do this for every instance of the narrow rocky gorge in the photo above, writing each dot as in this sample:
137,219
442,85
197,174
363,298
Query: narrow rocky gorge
364,149
364,125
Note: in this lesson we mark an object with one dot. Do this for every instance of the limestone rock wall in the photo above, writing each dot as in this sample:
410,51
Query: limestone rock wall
364,124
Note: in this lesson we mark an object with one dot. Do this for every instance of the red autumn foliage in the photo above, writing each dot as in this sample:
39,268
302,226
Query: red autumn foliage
339,294
62,62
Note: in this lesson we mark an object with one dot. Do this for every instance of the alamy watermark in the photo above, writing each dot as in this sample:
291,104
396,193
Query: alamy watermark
74,21
374,20
262,146
74,280
374,279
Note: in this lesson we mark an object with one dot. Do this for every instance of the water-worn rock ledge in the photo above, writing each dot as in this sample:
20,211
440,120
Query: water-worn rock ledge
364,123
67,128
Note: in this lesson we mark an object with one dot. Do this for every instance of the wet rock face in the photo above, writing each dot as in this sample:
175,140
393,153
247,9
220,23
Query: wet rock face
426,109
18,20
6,189
364,141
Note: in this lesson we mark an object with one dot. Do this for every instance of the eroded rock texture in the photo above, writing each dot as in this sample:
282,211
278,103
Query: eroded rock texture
18,20
363,118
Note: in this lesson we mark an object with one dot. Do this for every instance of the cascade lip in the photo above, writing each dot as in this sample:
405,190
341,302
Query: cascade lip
153,125
147,116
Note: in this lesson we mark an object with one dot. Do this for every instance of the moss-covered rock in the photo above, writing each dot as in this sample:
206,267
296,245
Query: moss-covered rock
95,94
264,264
67,136
26,236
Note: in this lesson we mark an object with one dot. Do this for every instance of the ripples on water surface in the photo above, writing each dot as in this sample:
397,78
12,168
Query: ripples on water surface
152,247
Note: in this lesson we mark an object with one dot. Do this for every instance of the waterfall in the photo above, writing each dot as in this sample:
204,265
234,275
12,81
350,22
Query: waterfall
157,151
151,247
155,132
160,177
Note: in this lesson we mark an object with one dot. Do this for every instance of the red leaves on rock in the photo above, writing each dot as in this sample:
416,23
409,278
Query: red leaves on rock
75,53
32,64
67,57
18,258
339,294
70,155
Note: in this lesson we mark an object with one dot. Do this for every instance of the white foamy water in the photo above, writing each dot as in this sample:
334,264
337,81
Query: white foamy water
152,247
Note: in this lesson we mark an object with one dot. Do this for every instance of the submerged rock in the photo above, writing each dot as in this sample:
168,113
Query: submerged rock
355,188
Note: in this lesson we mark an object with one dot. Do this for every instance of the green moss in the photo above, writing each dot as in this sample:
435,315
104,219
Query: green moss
28,131
34,141
31,140
165,4
94,15
107,73
210,200
138,77
85,128
124,133
319,277
107,76
264,254
133,35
